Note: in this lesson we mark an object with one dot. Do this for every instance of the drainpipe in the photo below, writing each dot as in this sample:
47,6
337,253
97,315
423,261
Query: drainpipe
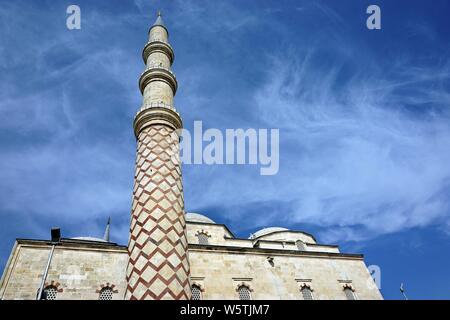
44,277
56,238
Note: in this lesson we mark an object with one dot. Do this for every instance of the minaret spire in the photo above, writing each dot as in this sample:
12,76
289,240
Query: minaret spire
106,235
158,266
159,21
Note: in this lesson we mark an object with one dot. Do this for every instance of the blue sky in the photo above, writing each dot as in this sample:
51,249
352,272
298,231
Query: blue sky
364,122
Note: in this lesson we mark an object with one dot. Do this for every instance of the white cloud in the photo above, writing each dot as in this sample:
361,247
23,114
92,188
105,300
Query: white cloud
361,158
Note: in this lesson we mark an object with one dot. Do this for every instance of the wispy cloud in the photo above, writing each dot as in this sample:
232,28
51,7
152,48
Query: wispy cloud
363,157
67,105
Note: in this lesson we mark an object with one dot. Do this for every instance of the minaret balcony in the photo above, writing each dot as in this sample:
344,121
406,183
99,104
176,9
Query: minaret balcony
158,74
156,105
157,115
158,46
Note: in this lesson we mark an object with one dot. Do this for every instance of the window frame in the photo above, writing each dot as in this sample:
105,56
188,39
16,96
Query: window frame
249,291
349,293
305,289
202,238
301,246
45,294
103,290
200,291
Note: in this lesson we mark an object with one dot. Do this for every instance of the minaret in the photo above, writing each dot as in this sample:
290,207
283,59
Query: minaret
106,234
158,266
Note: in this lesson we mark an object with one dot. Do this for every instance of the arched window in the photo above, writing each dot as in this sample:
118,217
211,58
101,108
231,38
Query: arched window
349,293
244,293
196,292
300,245
202,238
49,293
106,294
307,293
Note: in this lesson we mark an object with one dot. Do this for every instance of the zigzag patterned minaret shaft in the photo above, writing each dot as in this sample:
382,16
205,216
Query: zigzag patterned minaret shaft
158,266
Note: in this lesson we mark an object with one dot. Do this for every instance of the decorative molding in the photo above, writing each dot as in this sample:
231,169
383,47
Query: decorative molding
156,105
105,286
242,279
154,116
305,285
197,278
243,284
53,284
158,74
277,252
158,46
199,232
345,281
348,286
198,285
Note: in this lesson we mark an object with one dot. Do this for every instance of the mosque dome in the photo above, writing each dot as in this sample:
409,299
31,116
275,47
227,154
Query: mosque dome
266,231
89,239
196,217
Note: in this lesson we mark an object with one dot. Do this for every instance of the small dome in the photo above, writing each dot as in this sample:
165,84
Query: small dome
266,231
196,217
89,239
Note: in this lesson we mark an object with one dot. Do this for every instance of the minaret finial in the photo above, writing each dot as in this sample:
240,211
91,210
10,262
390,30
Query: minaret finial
159,13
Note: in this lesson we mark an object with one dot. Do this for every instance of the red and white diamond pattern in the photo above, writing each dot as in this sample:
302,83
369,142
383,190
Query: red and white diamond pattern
158,266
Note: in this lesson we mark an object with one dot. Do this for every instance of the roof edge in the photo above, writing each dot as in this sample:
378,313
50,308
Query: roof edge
281,231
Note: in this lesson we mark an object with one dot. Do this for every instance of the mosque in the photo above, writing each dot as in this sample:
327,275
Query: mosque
172,254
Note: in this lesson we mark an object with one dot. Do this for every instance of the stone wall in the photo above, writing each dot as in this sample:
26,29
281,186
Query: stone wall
219,273
158,59
78,272
158,33
158,92
272,271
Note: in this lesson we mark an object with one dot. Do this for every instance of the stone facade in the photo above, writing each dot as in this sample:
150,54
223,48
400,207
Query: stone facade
79,269
271,269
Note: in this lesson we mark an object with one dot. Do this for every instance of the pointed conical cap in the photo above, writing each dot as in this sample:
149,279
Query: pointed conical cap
159,22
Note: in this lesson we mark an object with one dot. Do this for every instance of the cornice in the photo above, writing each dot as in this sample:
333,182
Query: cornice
158,74
156,115
277,252
198,247
158,46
